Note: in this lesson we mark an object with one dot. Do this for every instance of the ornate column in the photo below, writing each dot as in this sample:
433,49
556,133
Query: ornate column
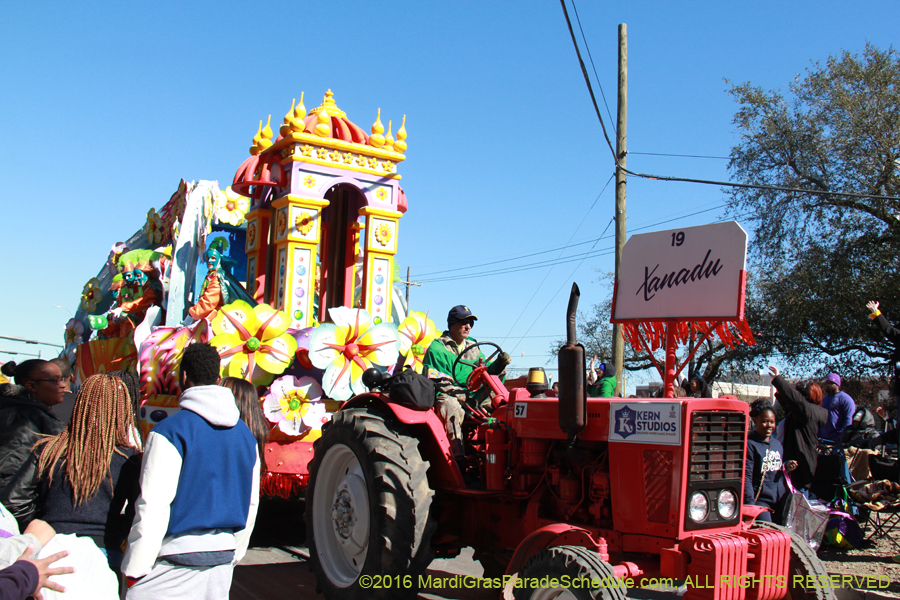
297,234
381,246
256,249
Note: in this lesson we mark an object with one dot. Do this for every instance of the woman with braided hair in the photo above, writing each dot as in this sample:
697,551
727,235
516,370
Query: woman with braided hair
80,480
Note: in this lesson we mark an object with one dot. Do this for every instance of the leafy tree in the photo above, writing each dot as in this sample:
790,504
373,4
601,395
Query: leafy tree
818,257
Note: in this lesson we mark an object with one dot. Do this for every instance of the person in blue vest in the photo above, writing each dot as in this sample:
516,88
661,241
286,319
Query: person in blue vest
763,479
199,492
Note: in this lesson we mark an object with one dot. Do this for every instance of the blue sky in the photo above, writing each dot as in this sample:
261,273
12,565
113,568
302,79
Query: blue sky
104,107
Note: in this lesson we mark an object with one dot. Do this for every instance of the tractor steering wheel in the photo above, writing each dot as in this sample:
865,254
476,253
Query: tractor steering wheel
487,361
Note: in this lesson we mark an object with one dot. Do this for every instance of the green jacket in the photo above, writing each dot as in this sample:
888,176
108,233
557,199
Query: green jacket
441,355
604,388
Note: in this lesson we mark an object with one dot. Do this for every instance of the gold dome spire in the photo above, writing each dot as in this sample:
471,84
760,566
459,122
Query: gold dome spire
389,138
299,114
285,129
267,134
254,149
328,103
323,122
400,144
377,139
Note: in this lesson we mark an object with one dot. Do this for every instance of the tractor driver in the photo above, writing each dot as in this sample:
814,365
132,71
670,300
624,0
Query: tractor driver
438,365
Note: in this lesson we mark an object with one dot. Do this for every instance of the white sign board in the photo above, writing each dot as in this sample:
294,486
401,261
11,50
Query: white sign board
645,422
694,272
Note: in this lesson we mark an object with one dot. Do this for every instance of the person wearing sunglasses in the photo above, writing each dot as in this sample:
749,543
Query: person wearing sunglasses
25,411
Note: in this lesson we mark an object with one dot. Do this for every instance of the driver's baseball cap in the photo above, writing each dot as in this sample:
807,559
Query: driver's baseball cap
459,313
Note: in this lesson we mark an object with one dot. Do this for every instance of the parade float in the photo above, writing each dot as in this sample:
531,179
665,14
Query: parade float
288,272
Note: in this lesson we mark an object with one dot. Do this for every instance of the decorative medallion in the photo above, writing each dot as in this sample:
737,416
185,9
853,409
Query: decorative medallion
383,234
303,223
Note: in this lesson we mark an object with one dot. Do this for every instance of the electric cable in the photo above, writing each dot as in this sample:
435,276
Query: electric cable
588,80
612,122
679,155
565,281
752,186
547,274
563,260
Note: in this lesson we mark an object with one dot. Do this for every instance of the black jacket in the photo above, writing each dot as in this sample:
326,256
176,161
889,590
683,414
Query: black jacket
100,517
22,422
800,429
703,389
892,334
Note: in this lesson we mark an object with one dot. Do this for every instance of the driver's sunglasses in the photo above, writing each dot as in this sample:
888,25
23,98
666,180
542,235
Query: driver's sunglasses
469,322
56,380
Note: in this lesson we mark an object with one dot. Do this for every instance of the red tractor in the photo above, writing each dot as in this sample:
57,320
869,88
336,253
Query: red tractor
568,497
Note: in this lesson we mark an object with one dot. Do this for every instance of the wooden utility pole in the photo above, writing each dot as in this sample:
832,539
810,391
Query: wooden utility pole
621,127
408,283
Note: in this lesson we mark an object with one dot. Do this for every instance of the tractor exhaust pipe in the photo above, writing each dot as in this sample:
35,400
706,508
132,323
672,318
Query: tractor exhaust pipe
571,338
572,365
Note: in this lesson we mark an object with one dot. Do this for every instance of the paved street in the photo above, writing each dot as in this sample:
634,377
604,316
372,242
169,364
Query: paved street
277,564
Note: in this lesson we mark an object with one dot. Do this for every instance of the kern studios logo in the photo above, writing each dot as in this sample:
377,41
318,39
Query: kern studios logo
625,422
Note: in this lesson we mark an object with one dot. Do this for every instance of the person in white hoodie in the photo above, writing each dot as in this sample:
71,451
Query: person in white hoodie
199,492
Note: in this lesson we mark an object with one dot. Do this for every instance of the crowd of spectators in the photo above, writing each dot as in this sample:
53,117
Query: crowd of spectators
169,518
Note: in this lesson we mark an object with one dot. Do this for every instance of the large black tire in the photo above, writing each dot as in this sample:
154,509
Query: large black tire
576,564
367,510
804,563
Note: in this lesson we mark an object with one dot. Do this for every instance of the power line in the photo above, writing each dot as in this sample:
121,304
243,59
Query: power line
591,58
752,186
679,155
565,281
547,274
589,254
587,79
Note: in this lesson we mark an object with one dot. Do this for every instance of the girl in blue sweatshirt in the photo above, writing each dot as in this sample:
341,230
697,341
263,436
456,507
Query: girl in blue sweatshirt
763,479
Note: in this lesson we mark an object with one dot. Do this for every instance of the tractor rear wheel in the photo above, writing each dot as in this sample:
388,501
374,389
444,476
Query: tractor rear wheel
806,566
367,512
579,573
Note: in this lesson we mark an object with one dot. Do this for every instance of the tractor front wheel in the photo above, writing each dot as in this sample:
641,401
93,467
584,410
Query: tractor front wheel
568,573
367,514
805,567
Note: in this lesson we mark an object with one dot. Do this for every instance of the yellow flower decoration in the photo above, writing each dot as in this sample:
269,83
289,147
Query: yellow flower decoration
383,234
251,234
381,194
253,342
154,228
303,223
231,207
310,181
91,295
417,332
281,226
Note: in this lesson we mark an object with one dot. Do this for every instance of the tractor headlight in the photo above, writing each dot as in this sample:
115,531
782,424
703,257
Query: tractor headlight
699,507
726,504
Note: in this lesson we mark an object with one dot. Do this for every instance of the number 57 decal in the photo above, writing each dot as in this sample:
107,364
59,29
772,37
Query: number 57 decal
521,410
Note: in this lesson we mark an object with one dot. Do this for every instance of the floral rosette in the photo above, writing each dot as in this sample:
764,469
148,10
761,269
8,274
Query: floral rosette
231,207
417,332
73,336
154,228
91,295
253,342
295,405
349,346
